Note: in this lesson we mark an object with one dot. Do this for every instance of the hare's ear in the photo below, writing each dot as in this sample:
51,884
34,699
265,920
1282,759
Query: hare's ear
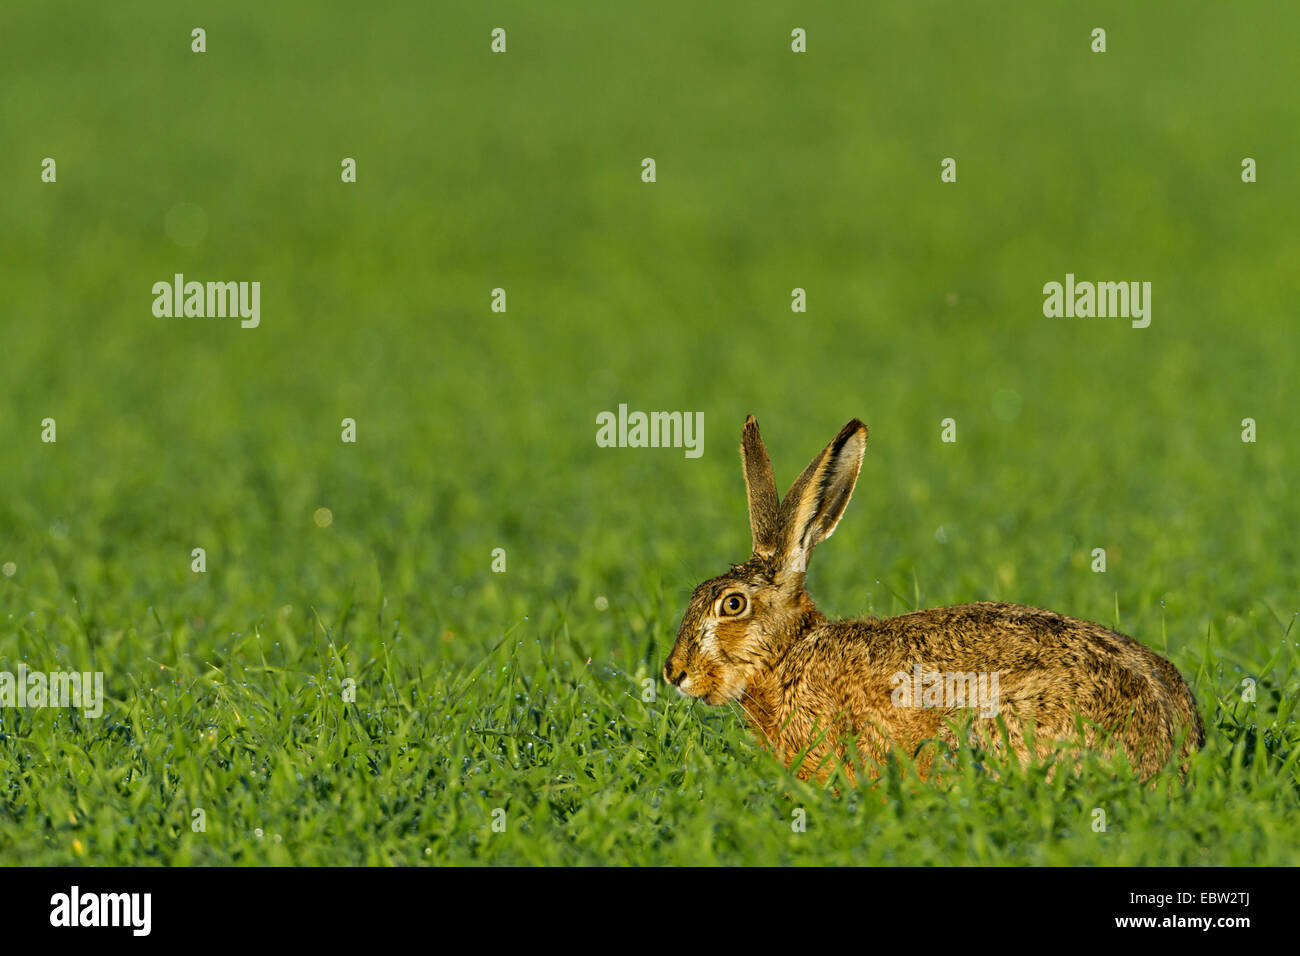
816,501
760,486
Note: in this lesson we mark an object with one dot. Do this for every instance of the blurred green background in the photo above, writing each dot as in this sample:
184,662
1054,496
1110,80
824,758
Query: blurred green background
476,429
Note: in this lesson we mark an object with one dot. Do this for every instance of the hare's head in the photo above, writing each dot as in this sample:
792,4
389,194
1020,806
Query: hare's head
738,623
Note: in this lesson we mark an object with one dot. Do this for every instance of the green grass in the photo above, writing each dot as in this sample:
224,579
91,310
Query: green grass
479,691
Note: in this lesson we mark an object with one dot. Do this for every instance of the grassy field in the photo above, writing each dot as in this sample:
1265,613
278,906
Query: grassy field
371,562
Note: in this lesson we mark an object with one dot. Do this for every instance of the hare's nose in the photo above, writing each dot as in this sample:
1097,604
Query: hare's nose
674,680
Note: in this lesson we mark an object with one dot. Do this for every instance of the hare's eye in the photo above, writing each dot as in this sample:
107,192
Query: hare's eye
733,604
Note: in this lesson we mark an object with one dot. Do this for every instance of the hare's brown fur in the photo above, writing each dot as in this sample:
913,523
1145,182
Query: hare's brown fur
829,689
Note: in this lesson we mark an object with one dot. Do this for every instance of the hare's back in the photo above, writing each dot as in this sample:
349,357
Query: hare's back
1009,638
1038,654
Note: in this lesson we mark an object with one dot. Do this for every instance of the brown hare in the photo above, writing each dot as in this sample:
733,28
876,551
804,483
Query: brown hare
846,692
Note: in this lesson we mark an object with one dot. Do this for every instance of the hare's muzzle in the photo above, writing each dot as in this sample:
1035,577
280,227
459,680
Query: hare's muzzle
675,670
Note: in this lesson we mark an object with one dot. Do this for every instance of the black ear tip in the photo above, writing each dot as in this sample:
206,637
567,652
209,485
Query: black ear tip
850,431
854,427
751,421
